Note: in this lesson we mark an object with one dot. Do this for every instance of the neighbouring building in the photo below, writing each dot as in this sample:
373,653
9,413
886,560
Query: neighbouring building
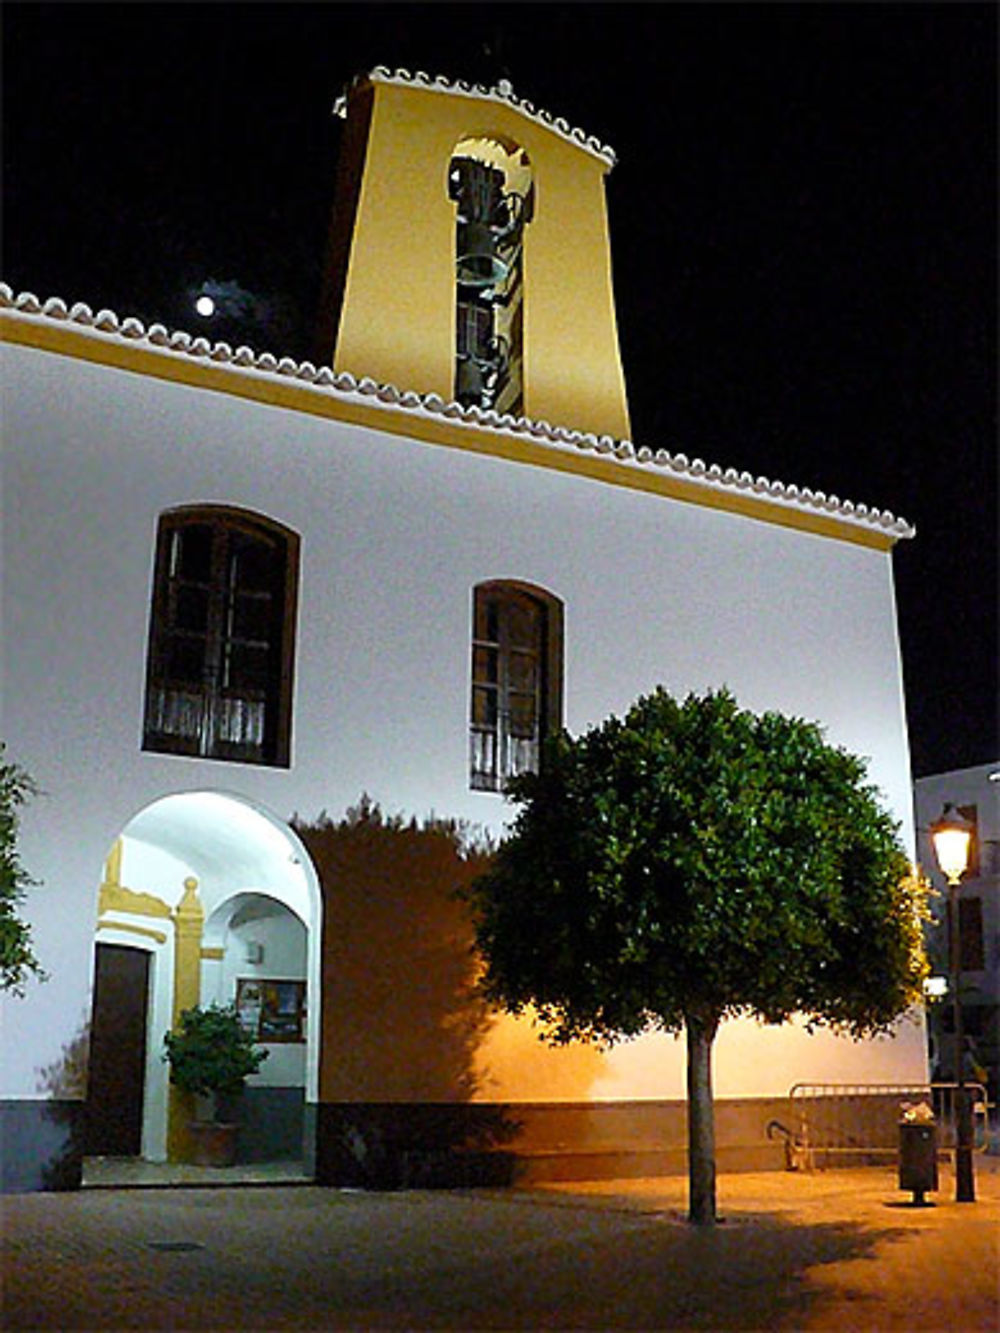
241,591
976,793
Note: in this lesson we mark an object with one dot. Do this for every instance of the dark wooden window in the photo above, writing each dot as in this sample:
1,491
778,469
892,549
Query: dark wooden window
219,672
971,813
516,680
970,934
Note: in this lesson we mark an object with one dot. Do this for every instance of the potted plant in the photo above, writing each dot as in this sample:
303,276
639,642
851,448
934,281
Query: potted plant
210,1055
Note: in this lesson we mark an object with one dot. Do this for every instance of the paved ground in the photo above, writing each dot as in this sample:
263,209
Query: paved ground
837,1250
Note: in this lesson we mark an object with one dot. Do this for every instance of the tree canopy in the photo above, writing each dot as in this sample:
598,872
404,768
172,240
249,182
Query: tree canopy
694,861
17,957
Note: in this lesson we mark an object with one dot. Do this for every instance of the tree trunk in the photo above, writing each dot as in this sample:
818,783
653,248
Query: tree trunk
701,1119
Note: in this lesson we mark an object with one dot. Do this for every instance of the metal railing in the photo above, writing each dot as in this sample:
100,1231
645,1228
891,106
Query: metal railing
836,1123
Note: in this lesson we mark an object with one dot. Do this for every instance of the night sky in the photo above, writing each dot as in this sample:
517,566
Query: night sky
803,222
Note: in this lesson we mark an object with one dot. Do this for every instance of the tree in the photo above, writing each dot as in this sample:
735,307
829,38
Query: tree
689,863
17,957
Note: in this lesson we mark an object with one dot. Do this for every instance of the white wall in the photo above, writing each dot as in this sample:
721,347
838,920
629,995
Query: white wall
749,1060
395,534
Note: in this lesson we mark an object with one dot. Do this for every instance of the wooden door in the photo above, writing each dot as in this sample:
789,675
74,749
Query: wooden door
117,1052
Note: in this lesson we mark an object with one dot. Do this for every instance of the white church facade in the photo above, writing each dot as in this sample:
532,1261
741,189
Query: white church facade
241,591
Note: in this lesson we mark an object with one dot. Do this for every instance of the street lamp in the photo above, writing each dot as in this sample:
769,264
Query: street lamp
951,835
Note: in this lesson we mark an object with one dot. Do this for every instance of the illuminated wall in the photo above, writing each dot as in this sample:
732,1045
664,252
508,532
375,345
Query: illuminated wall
395,534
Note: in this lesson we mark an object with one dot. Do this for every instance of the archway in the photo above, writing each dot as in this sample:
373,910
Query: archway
216,891
490,183
255,954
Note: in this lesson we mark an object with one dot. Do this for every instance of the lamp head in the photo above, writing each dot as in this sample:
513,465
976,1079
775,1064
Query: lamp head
951,835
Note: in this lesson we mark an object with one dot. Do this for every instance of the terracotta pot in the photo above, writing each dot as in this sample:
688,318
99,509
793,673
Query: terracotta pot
213,1143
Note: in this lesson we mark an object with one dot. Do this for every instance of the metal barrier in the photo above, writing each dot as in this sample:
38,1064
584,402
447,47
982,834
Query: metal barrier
836,1123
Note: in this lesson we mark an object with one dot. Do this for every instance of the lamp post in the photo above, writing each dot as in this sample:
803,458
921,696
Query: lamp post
951,835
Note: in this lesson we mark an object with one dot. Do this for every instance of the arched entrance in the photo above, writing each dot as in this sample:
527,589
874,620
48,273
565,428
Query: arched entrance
205,897
255,952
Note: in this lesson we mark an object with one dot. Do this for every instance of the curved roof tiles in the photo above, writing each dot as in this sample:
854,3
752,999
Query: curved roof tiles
105,323
502,92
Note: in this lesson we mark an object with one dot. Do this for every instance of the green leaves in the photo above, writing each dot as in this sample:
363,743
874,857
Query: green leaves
695,857
17,957
211,1052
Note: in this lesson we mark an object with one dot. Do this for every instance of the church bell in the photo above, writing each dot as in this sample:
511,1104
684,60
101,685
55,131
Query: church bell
488,223
478,264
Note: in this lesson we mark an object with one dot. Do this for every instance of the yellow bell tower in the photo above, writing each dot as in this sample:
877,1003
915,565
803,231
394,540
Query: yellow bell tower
470,255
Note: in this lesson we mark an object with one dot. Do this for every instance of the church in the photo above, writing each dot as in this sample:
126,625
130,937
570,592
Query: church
272,628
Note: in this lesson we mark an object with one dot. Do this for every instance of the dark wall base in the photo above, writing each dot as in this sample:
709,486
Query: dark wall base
309,1121
41,1145
272,1124
382,1145
377,1145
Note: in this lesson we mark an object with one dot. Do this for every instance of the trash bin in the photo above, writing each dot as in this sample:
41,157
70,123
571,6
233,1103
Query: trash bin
918,1157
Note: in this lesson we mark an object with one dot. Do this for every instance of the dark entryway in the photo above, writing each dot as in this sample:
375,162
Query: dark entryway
117,1052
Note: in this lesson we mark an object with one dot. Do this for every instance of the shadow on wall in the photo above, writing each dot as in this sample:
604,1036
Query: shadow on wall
401,1015
62,1125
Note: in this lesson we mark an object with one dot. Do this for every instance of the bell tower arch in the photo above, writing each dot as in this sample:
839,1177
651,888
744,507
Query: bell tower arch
427,168
490,183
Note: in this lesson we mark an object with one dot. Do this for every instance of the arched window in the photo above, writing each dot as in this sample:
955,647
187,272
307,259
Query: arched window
489,179
517,671
222,623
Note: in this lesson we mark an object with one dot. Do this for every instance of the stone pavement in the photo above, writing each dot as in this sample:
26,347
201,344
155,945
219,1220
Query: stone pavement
841,1249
